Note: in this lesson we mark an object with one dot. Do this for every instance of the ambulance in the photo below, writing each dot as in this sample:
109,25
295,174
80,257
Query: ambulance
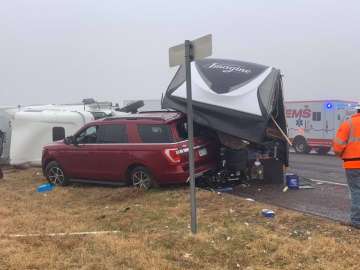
312,124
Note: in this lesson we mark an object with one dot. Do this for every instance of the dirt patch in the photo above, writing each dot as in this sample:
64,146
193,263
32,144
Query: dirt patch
153,230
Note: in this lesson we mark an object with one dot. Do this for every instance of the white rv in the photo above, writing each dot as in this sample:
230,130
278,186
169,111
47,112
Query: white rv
313,124
33,129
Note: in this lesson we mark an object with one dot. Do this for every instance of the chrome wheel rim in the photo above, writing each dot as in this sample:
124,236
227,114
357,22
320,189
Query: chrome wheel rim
141,180
56,176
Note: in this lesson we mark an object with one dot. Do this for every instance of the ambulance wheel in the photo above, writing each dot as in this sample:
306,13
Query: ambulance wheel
301,146
323,150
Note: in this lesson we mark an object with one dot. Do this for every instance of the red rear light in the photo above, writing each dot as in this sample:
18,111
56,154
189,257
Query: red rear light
173,155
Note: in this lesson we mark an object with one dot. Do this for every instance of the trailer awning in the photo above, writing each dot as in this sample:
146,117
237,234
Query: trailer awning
234,97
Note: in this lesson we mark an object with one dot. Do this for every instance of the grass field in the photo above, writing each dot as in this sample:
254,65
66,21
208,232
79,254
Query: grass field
153,231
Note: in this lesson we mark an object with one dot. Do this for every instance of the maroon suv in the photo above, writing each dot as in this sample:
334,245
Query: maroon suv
143,149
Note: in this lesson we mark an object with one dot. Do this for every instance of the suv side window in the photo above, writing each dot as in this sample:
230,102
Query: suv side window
112,134
155,133
87,136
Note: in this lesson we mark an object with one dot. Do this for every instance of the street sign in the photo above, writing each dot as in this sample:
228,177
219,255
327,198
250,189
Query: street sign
201,48
179,55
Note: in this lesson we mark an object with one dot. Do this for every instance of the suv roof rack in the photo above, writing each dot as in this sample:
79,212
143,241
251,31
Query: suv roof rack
130,118
158,111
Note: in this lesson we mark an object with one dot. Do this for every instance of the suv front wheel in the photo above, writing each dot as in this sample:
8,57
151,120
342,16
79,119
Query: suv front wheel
55,174
141,178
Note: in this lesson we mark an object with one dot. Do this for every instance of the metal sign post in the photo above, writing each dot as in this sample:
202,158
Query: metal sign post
190,128
183,54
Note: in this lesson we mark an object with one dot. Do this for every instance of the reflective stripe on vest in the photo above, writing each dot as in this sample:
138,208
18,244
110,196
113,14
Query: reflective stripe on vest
339,141
352,137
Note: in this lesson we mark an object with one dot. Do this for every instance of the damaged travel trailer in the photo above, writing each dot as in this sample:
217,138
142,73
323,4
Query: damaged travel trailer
33,129
242,102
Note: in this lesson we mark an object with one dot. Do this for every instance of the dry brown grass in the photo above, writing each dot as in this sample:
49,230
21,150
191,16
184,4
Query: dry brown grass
154,232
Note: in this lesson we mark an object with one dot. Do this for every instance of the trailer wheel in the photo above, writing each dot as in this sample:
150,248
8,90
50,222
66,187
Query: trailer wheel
301,146
323,150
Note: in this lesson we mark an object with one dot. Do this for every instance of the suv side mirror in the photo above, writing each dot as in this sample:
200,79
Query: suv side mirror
69,140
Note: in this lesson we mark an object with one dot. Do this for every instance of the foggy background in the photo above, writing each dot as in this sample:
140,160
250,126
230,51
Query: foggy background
62,51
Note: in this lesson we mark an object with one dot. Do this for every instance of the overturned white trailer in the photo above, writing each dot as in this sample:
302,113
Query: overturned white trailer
33,129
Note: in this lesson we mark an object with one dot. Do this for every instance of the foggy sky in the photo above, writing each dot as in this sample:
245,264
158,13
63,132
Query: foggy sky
62,51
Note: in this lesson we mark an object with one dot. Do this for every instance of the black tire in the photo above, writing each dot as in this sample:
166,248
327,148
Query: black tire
55,174
323,150
142,178
301,146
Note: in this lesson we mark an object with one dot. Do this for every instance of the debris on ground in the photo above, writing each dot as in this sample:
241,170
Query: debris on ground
268,213
306,187
224,189
45,187
292,180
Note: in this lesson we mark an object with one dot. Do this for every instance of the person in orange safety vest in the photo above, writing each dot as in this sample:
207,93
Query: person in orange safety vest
346,145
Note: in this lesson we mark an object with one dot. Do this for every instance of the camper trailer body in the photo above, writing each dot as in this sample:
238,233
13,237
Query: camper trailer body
33,129
313,124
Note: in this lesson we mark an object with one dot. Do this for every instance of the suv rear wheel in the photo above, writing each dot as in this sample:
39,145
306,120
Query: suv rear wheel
141,178
55,174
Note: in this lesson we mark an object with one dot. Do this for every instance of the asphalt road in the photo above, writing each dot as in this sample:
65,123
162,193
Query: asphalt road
327,197
313,166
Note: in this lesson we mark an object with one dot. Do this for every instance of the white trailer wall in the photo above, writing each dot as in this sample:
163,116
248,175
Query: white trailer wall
31,130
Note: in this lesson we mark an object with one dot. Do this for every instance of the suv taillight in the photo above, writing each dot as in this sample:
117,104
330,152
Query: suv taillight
174,154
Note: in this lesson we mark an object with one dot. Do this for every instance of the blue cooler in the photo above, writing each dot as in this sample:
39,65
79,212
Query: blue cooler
45,187
292,181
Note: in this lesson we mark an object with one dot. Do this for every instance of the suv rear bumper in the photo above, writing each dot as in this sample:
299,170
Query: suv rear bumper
179,175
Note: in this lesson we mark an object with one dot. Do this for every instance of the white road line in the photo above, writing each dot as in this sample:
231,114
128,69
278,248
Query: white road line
61,234
328,182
